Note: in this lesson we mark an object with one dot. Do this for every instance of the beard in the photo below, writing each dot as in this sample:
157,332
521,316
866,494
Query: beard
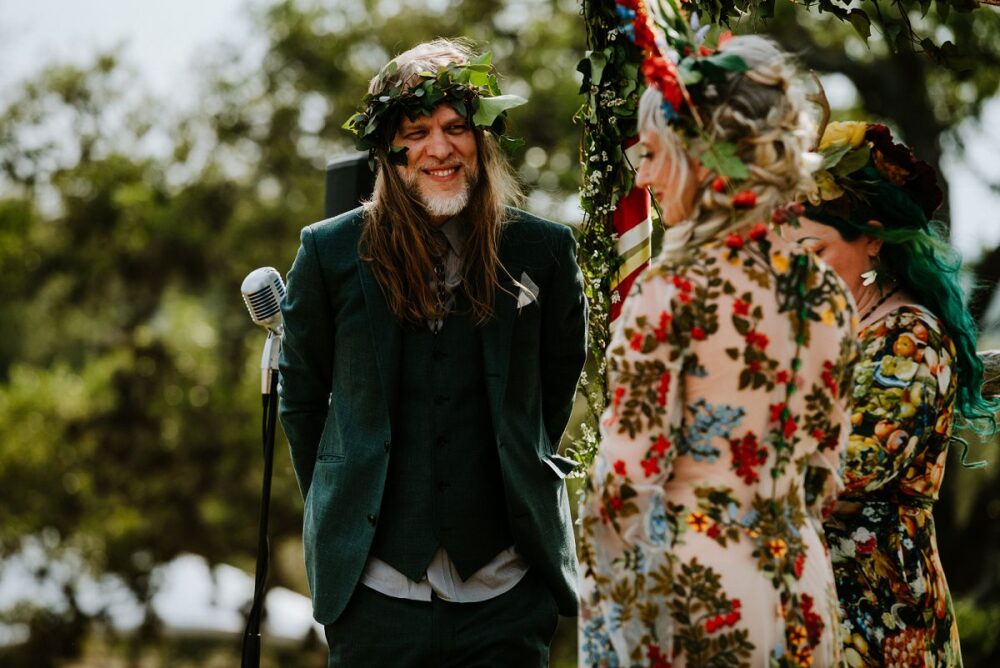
441,205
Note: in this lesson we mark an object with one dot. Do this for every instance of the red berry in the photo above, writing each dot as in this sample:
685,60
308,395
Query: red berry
734,241
758,231
719,184
797,208
779,216
745,199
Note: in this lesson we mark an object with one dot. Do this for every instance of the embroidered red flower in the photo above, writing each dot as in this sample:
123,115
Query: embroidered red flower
814,623
828,379
636,341
782,377
616,503
650,466
682,284
776,411
661,331
789,427
757,340
714,531
620,467
656,658
740,307
800,561
697,333
661,391
754,366
616,400
661,446
748,455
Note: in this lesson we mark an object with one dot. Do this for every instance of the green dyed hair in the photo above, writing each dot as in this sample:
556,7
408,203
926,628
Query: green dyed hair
915,254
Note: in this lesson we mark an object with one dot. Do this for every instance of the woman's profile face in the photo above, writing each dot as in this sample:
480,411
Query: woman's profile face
673,186
849,259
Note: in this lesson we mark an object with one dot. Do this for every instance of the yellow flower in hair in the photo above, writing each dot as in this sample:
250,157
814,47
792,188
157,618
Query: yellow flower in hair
849,132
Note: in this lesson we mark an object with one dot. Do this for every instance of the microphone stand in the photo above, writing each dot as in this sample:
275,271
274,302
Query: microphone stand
269,399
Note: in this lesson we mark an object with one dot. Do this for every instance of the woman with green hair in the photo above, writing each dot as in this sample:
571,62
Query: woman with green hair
871,220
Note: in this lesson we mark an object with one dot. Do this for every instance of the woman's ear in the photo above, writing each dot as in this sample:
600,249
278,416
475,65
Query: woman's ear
873,244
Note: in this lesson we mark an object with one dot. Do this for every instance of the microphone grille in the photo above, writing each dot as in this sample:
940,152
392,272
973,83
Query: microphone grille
263,291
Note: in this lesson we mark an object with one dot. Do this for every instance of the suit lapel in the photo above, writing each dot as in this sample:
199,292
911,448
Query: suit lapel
385,334
496,333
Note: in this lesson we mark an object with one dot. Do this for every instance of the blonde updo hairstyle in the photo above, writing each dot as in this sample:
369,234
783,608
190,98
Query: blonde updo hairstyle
762,112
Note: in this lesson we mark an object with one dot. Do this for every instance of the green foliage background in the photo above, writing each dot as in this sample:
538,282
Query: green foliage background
129,400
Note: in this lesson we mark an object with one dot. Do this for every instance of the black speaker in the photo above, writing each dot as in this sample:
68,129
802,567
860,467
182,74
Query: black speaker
349,180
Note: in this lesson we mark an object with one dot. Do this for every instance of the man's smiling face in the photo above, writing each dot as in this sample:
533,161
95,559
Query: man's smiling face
441,161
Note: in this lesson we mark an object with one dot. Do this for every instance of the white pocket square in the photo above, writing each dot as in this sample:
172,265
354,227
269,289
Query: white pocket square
528,291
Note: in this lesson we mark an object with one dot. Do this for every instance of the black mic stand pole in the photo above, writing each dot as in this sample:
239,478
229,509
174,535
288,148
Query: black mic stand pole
269,399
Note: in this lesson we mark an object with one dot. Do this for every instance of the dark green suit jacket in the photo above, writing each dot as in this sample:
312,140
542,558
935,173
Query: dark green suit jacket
339,370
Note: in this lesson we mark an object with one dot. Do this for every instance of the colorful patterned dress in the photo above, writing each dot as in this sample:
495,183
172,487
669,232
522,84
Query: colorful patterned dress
700,543
894,601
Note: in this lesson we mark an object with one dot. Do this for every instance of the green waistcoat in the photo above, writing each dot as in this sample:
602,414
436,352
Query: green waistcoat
443,485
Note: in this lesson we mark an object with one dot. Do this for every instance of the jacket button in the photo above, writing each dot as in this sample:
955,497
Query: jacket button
372,519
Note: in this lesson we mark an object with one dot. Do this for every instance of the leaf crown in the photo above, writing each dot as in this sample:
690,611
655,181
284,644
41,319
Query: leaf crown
866,175
469,87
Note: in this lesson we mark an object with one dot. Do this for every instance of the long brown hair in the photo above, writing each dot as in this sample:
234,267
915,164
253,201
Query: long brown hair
396,234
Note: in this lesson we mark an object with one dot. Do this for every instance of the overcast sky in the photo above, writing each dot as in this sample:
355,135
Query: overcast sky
162,41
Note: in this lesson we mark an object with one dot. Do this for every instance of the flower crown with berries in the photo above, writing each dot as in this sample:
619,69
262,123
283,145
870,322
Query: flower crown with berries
677,63
866,175
470,88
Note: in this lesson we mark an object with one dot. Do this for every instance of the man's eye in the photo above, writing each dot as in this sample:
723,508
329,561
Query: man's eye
457,129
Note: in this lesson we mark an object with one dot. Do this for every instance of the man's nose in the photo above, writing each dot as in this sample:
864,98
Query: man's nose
438,145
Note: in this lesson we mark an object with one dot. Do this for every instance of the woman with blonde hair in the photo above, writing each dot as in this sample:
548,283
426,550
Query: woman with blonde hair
728,372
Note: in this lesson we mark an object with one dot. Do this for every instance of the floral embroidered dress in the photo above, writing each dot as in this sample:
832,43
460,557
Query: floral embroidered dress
894,600
700,545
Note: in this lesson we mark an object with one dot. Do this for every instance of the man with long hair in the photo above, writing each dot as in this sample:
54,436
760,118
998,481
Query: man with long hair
433,342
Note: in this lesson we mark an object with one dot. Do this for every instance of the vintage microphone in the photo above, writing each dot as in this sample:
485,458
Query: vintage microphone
263,291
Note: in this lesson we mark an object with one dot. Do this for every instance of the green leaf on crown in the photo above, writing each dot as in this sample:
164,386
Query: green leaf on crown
490,107
721,158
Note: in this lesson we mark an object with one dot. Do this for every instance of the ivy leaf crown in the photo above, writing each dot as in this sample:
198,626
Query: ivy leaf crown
470,88
678,64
